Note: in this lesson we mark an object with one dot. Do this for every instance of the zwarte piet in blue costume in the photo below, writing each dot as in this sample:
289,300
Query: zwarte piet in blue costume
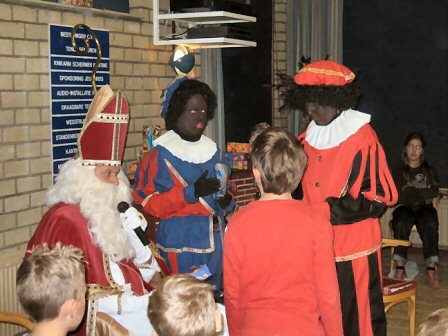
176,182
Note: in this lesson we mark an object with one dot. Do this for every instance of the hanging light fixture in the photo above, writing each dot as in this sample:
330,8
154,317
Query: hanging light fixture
181,60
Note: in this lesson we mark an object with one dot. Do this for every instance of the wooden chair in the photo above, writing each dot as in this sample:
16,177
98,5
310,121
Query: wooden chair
399,291
16,319
105,324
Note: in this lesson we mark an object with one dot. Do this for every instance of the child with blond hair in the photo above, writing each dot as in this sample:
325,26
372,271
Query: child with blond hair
51,288
184,306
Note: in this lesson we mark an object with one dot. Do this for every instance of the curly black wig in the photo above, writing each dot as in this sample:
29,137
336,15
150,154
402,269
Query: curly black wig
296,96
183,93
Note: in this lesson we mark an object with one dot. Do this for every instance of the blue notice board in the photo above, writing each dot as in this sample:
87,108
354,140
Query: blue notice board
71,86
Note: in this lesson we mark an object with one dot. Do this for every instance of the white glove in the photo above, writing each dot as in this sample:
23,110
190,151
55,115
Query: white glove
132,219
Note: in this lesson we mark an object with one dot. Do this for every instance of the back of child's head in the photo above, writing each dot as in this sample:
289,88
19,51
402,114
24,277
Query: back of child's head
47,278
436,324
183,306
279,157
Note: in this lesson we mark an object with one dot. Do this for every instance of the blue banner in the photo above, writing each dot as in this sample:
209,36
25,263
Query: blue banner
64,152
57,166
78,64
71,85
70,107
61,44
65,137
65,122
64,78
73,94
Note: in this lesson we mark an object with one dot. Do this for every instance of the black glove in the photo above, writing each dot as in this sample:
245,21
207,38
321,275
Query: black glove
224,201
205,186
347,210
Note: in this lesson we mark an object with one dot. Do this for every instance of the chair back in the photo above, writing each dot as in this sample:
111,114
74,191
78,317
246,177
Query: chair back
16,319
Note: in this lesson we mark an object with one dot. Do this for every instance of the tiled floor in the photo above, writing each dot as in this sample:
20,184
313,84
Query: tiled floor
428,299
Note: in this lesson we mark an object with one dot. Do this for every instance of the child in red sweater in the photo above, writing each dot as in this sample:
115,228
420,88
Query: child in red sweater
279,268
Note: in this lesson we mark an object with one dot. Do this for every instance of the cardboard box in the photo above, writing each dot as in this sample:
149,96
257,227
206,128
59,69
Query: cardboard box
238,147
238,160
240,165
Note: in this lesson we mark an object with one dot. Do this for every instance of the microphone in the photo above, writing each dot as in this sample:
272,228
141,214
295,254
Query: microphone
133,219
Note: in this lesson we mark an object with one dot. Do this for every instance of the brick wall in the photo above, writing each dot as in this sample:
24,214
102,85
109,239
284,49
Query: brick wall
279,57
137,67
246,188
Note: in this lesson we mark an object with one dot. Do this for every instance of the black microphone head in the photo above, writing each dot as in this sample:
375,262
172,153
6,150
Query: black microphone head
122,206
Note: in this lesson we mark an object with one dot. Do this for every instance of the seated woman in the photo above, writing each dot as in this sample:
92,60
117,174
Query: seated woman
417,186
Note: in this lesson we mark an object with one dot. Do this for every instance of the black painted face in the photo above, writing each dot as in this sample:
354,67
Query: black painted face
192,122
322,115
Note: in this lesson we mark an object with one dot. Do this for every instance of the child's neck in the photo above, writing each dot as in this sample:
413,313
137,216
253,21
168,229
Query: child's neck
270,196
49,328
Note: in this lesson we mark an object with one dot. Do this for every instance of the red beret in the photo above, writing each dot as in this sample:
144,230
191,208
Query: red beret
324,73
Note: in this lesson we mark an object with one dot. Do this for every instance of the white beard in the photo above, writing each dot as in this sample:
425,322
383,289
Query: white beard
97,200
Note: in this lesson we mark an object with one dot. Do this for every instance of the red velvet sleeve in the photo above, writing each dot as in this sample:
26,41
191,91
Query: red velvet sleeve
177,199
160,205
374,169
64,223
142,187
370,185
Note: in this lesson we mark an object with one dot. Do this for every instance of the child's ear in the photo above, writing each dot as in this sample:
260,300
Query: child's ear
154,333
257,178
256,173
218,320
68,308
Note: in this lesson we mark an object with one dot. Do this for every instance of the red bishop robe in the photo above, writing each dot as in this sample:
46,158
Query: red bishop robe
64,223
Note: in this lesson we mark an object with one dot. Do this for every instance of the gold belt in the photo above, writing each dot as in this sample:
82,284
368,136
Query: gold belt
358,254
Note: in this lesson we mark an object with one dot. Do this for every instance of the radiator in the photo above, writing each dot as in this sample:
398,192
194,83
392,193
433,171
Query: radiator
8,299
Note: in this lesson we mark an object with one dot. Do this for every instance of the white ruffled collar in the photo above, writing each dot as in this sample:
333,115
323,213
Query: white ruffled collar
331,135
195,152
